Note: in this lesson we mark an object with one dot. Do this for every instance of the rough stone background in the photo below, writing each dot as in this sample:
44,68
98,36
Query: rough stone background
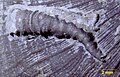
52,57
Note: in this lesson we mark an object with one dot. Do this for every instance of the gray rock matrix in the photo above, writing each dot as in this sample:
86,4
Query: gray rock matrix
35,42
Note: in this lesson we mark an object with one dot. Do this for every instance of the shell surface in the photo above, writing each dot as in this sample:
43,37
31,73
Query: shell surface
37,56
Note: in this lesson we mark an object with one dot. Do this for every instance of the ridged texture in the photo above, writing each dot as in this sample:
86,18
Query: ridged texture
32,58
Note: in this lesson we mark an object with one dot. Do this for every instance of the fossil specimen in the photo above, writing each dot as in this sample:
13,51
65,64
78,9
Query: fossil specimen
37,22
29,54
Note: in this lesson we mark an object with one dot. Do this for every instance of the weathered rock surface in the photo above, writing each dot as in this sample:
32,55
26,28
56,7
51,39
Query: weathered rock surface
52,57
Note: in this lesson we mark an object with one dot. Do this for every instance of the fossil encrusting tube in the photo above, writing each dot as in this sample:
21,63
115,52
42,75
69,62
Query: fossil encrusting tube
38,22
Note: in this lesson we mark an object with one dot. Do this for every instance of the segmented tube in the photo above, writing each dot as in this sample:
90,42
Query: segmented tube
37,22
